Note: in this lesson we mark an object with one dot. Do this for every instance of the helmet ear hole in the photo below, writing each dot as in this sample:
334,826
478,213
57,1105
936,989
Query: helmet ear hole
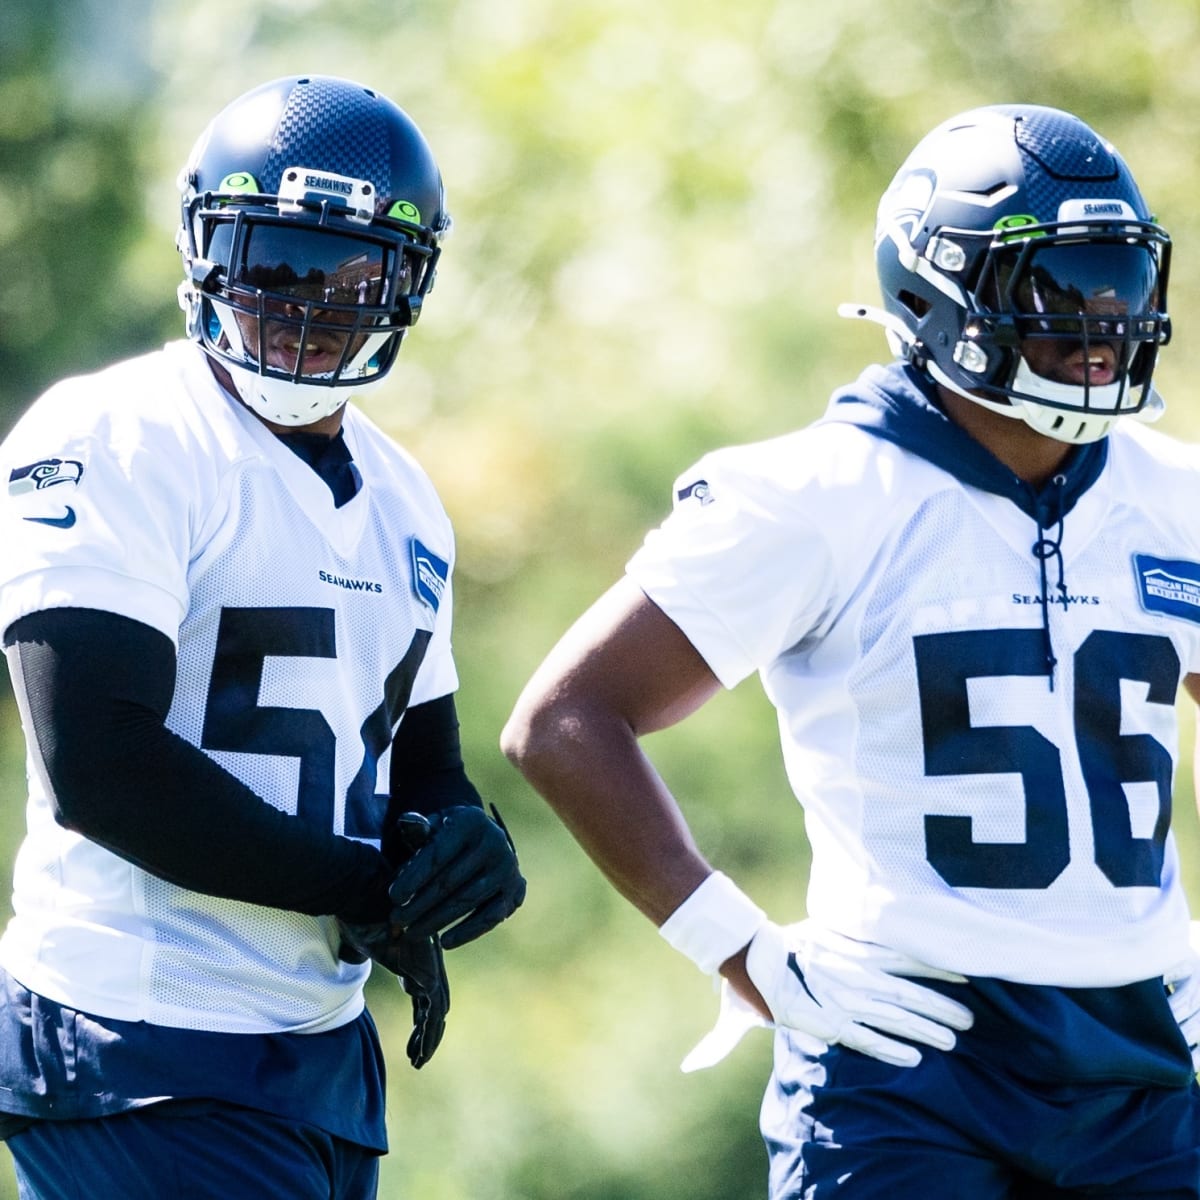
915,304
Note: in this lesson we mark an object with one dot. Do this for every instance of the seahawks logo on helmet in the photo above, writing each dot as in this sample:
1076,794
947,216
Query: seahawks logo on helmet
43,474
907,202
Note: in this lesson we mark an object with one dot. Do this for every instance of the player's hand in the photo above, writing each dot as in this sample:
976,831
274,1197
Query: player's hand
418,963
424,979
361,941
465,871
852,993
1183,985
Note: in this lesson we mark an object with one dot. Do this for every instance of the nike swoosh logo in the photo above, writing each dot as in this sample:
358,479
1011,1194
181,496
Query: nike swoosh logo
793,965
63,522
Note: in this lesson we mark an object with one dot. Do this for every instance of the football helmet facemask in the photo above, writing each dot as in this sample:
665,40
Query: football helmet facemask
1021,268
312,220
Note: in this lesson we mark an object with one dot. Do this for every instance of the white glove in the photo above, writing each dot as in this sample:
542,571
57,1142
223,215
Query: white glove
1184,985
844,991
734,1021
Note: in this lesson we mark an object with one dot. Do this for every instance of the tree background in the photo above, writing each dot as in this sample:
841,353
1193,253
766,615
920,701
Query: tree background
657,209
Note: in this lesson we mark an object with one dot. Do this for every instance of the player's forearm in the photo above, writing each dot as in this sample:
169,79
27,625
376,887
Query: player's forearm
586,763
94,689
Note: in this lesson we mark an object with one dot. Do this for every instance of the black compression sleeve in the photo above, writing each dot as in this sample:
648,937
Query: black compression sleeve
427,768
94,690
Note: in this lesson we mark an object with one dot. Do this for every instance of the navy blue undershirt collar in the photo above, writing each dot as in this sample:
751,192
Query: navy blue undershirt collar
896,402
331,459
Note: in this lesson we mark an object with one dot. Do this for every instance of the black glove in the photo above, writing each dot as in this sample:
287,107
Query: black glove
424,979
359,939
418,963
466,871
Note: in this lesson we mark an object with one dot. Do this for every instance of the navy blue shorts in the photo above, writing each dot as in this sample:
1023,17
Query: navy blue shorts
166,1152
1045,1099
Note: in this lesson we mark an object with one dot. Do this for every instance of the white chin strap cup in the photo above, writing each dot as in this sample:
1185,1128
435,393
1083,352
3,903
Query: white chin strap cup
292,404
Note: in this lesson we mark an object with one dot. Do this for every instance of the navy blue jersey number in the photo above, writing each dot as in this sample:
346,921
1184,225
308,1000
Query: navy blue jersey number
234,719
953,746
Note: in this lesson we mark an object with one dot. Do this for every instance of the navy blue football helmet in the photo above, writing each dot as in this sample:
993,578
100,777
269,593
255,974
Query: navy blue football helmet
312,220
1010,235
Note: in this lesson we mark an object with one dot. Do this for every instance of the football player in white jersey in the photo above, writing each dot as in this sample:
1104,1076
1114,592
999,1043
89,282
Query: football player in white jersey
225,598
972,592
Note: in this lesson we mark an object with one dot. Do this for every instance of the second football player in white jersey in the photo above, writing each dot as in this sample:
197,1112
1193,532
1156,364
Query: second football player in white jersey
972,593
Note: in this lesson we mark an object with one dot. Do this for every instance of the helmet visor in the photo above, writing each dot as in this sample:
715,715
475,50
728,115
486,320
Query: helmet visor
304,265
1084,314
1079,288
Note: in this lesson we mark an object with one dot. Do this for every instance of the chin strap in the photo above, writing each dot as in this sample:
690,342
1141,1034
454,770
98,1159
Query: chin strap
1153,409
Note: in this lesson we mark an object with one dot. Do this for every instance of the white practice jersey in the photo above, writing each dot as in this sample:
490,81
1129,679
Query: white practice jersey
963,804
145,491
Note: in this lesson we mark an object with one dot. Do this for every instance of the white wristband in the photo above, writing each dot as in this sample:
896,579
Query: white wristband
713,923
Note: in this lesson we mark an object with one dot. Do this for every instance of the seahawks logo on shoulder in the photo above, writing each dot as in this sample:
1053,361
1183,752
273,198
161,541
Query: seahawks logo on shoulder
43,474
429,574
699,490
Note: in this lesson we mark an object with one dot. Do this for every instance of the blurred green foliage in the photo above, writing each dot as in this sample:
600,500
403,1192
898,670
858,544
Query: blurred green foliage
657,208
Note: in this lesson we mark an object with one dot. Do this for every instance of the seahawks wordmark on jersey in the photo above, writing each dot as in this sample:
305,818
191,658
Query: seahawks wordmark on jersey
986,781
303,631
